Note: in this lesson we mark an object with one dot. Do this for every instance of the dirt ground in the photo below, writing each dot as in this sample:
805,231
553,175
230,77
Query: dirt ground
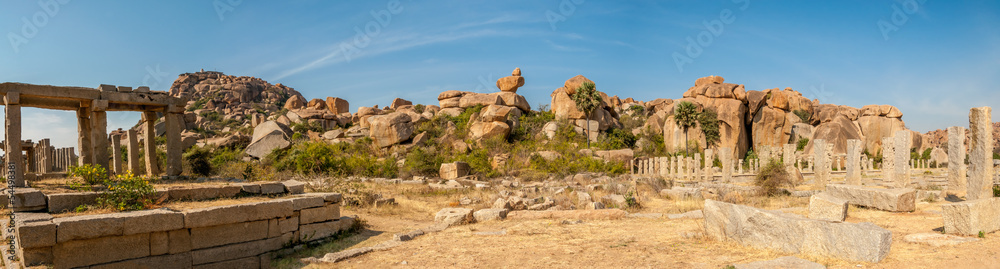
630,242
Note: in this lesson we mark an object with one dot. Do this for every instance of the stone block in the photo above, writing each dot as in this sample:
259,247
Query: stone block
205,192
971,217
272,188
159,243
36,256
294,186
273,230
892,200
289,224
157,220
36,234
205,237
28,199
316,231
319,214
791,233
490,214
79,253
454,216
937,239
250,188
182,260
298,203
237,251
89,226
248,262
329,197
59,202
825,207
219,215
454,170
681,193
179,241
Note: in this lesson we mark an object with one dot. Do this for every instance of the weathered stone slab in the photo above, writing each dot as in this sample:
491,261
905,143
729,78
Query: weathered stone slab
159,243
823,206
147,221
787,262
218,215
893,200
248,262
682,193
28,199
59,202
250,188
287,225
794,234
272,188
695,214
178,241
205,237
980,181
319,214
316,231
972,217
78,253
454,216
597,214
182,260
90,226
937,240
36,256
237,251
294,186
35,234
329,197
298,203
204,192
490,214
454,170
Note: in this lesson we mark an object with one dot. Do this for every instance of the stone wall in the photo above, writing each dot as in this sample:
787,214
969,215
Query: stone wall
230,236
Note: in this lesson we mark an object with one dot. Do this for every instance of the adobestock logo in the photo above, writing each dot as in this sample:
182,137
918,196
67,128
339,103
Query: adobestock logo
380,20
899,17
566,10
30,28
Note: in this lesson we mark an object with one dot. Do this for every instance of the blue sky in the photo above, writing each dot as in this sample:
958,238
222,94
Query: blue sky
932,59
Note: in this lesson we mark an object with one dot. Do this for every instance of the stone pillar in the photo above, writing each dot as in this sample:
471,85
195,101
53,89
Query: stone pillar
84,128
133,151
888,160
980,183
956,161
709,163
853,162
12,131
697,166
725,155
902,150
739,167
149,141
116,153
822,176
99,136
673,167
788,155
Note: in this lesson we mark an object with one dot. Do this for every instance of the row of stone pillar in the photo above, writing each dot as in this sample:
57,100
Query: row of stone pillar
976,179
44,158
688,168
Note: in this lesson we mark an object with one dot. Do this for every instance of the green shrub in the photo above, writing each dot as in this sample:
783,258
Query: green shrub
419,108
341,159
801,144
709,122
996,190
803,115
772,178
618,139
198,159
305,126
422,161
90,173
127,192
531,123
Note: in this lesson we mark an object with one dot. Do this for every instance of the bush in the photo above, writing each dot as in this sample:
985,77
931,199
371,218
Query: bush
618,139
126,193
90,173
341,159
803,115
198,159
801,144
709,122
772,178
423,161
996,190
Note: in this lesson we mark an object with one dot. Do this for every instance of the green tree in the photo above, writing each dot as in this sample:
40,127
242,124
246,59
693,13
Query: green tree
686,116
587,100
709,122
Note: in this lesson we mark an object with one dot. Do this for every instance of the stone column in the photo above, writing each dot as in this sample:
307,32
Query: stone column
133,151
99,136
725,155
673,167
788,155
956,161
739,167
888,160
116,153
149,141
902,150
822,176
12,131
84,128
980,183
697,166
853,162
709,163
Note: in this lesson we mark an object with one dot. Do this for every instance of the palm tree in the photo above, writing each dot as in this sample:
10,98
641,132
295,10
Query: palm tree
587,99
686,116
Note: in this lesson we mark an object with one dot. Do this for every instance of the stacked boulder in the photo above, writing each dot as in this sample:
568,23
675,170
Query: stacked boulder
501,110
563,106
231,97
727,100
329,113
268,136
